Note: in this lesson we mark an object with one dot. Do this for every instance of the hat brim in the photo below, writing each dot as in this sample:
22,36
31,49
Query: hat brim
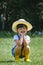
14,26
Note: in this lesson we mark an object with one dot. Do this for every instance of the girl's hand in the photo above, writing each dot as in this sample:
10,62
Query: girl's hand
22,34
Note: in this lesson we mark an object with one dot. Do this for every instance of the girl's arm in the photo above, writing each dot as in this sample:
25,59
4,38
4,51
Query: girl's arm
19,42
26,41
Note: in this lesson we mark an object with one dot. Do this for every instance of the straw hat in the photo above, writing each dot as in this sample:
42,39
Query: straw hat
21,21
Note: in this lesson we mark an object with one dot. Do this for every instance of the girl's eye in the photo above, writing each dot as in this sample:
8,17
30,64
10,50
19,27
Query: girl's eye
20,29
24,28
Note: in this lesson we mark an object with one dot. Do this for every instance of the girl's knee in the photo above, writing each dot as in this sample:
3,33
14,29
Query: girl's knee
18,48
27,47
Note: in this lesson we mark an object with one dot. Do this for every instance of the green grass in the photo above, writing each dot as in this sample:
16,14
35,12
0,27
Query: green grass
6,43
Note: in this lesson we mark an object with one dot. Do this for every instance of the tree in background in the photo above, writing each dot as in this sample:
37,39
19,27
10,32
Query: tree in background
31,10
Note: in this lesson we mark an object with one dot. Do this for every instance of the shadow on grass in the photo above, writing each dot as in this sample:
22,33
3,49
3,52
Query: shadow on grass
6,61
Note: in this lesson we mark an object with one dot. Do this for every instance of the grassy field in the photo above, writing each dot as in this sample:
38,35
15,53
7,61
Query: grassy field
6,43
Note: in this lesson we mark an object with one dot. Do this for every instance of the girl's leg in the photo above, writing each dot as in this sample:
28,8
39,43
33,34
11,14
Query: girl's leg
27,53
17,53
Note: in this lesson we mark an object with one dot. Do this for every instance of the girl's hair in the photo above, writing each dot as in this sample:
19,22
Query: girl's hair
21,25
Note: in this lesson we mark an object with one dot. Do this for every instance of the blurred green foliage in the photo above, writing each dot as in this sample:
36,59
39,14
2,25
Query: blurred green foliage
31,10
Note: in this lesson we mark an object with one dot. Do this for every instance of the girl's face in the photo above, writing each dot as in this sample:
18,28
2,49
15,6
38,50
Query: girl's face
22,31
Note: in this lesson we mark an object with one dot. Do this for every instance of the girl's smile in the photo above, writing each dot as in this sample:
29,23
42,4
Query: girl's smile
22,30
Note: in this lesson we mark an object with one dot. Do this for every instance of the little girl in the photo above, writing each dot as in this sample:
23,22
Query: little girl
21,40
